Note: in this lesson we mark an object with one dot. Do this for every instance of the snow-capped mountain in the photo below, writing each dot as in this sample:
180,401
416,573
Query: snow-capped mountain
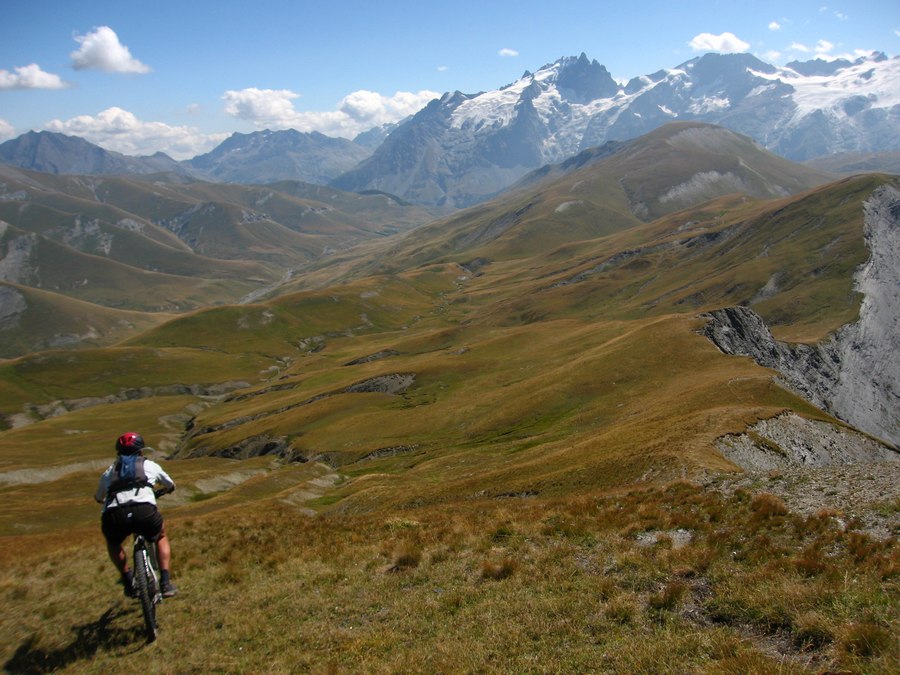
463,148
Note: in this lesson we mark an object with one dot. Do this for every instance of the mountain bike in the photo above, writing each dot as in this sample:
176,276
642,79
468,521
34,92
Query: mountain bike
146,578
146,582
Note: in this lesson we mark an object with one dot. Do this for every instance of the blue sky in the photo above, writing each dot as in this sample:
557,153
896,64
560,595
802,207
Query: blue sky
138,77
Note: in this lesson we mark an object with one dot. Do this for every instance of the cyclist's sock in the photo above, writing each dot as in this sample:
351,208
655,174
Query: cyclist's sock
128,578
164,577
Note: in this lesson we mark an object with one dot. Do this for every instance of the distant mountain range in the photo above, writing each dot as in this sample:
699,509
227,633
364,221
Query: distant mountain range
463,148
50,152
272,156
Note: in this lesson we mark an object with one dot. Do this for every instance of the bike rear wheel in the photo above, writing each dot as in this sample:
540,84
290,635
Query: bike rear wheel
145,585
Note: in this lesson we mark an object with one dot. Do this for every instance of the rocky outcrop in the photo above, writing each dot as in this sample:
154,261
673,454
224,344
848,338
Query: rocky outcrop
37,412
790,440
854,374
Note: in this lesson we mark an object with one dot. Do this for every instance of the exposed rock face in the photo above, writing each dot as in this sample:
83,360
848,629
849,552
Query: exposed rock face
855,374
789,440
869,350
32,412
12,306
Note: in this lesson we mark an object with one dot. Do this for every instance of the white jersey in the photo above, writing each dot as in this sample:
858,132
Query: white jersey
141,495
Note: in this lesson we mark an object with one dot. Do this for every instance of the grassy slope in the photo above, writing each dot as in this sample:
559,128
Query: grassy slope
50,317
105,240
513,585
491,529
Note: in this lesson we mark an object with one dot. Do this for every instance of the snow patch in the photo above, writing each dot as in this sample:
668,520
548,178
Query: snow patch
815,92
709,104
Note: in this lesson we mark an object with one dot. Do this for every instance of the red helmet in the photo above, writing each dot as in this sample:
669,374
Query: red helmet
129,443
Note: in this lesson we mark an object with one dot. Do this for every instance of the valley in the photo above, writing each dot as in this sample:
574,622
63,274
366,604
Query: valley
485,440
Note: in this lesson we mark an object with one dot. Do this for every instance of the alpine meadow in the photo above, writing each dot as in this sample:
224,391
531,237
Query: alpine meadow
570,376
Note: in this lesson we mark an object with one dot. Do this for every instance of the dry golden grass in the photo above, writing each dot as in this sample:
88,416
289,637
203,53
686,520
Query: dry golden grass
480,520
504,585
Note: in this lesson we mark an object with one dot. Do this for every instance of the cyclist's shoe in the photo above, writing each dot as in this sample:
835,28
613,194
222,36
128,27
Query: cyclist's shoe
129,590
168,590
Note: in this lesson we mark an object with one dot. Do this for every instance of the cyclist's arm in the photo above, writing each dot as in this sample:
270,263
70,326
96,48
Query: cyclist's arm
102,488
162,478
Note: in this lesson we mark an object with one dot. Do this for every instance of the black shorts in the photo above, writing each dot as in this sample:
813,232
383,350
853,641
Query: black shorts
119,522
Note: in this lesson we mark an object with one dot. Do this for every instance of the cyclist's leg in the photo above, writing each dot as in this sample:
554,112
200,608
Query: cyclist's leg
163,550
163,556
118,557
152,526
115,529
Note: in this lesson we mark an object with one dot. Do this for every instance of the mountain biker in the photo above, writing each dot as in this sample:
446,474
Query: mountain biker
129,507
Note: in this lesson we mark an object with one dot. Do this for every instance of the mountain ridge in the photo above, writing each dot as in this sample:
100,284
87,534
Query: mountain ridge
463,148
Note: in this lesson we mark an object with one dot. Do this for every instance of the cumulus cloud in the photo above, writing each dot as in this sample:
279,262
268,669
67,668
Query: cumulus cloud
6,130
356,112
101,50
30,77
121,131
508,52
728,43
823,47
260,106
774,26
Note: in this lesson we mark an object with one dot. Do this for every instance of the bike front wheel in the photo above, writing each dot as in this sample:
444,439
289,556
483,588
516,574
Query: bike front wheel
145,587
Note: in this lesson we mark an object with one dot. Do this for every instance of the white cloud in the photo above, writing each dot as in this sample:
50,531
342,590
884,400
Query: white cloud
30,77
823,47
101,50
356,112
261,106
772,56
508,52
799,47
442,69
119,130
726,42
7,130
841,16
774,26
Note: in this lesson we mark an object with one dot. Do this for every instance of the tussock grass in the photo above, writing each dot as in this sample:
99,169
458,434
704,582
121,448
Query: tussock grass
563,584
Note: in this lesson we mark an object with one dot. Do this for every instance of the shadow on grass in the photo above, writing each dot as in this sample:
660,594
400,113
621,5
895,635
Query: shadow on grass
89,638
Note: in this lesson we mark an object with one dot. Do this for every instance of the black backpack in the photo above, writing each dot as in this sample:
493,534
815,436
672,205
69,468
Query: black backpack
128,474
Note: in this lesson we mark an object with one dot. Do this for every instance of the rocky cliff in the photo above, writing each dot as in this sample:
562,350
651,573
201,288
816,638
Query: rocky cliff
854,374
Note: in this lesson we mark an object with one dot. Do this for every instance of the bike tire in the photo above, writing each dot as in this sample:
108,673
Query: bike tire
143,584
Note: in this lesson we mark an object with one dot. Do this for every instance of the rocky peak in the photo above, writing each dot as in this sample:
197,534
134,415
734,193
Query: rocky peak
582,80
